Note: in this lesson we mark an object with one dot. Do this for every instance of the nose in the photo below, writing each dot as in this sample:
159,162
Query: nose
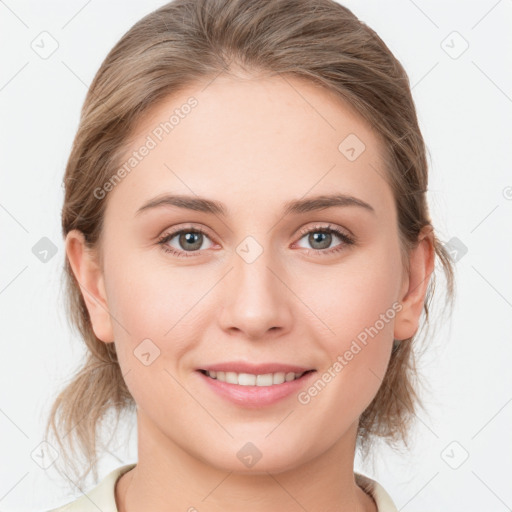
257,299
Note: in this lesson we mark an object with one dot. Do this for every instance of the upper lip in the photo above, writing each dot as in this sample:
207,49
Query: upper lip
256,369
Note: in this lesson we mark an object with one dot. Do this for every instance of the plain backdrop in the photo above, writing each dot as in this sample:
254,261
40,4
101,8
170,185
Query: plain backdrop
458,58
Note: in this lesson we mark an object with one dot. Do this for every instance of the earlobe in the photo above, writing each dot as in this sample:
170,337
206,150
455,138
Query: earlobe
85,265
415,287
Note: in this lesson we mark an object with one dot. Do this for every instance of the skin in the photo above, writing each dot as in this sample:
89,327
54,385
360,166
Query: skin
253,144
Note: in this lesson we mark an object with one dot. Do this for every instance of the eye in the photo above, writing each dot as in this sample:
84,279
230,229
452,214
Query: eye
190,239
321,237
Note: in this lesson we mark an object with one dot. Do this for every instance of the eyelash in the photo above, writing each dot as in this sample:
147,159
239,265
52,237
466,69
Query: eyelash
347,240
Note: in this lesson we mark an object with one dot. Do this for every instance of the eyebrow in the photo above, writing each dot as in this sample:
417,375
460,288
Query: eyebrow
296,206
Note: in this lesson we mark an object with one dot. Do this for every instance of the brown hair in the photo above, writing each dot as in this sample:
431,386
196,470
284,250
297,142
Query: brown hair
186,42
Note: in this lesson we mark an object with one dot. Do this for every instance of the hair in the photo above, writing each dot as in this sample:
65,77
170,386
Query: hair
188,42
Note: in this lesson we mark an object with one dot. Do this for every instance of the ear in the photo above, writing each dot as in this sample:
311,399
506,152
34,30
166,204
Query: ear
86,268
415,285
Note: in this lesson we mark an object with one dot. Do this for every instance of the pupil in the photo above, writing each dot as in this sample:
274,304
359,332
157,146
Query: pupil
318,237
189,238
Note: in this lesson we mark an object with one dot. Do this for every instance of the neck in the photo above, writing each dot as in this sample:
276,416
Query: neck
167,477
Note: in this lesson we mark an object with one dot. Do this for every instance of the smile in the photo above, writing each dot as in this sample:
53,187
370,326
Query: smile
249,379
254,391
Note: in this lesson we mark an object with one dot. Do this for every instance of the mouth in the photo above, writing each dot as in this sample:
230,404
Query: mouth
251,379
251,390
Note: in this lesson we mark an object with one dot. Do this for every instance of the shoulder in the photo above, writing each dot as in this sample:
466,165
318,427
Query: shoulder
378,493
101,497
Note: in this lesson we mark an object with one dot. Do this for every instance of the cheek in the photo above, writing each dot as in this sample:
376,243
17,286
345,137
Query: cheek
359,306
366,325
148,300
359,297
155,311
359,311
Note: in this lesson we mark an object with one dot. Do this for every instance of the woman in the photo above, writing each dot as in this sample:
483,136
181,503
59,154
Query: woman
249,253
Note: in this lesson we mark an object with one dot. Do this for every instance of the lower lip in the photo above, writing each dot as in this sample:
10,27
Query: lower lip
256,396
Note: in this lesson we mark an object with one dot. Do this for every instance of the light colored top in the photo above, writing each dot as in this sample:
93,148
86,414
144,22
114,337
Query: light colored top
102,497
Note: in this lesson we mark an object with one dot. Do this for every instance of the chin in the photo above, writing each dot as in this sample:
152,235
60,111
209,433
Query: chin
255,459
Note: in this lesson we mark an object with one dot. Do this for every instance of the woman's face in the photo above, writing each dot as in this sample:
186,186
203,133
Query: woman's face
265,283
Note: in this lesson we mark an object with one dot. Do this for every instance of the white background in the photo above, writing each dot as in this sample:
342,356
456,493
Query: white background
465,110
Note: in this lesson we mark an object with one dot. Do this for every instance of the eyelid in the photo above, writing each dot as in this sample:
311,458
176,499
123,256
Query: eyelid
348,240
302,231
343,234
164,238
184,227
326,227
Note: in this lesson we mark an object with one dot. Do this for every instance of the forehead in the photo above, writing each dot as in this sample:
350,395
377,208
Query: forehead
266,140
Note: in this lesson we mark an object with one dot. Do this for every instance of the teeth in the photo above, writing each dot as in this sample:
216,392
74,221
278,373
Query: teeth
249,379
